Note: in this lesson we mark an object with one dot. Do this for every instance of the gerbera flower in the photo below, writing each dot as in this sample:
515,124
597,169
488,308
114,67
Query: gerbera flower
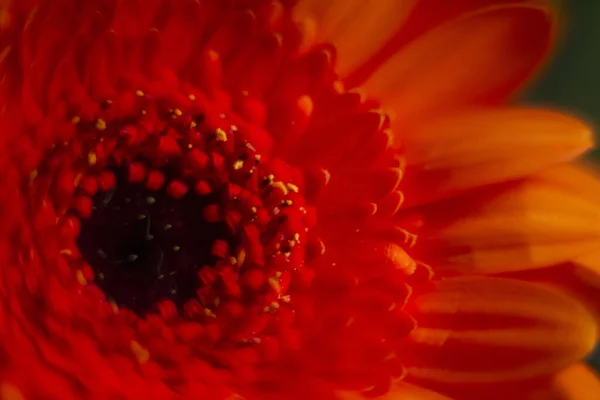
248,199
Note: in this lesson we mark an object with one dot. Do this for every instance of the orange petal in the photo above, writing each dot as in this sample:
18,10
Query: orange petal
484,330
579,178
480,147
357,28
427,15
401,391
523,226
465,61
577,382
582,278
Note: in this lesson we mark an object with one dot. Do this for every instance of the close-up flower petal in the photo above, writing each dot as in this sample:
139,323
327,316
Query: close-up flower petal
356,28
411,87
527,329
577,382
524,225
480,147
288,200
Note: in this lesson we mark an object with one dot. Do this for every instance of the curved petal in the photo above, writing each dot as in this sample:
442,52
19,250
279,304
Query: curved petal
580,275
356,28
515,227
586,276
578,178
480,147
580,278
484,330
577,382
425,16
400,391
466,61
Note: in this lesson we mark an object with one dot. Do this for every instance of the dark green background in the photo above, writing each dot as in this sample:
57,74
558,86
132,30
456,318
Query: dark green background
572,81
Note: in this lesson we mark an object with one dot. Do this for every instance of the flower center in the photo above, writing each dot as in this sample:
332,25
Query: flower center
147,245
168,208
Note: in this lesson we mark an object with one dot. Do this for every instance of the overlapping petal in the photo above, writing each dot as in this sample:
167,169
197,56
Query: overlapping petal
356,28
411,83
577,382
483,330
479,147
518,226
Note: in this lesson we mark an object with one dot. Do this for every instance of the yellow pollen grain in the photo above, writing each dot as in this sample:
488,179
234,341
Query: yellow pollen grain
92,158
80,278
141,353
193,125
270,308
66,252
75,120
8,391
33,174
241,257
209,313
286,298
238,164
305,104
234,128
191,97
293,187
232,260
139,93
327,176
177,112
275,285
77,179
281,186
221,135
100,124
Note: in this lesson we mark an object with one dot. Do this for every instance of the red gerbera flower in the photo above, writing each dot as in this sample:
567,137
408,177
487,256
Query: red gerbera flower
198,203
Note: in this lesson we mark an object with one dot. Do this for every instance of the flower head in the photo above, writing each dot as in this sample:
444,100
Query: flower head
198,201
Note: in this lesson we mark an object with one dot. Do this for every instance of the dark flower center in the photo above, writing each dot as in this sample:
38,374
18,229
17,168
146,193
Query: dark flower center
146,246
171,208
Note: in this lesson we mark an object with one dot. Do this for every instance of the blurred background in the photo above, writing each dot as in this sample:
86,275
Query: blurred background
572,80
